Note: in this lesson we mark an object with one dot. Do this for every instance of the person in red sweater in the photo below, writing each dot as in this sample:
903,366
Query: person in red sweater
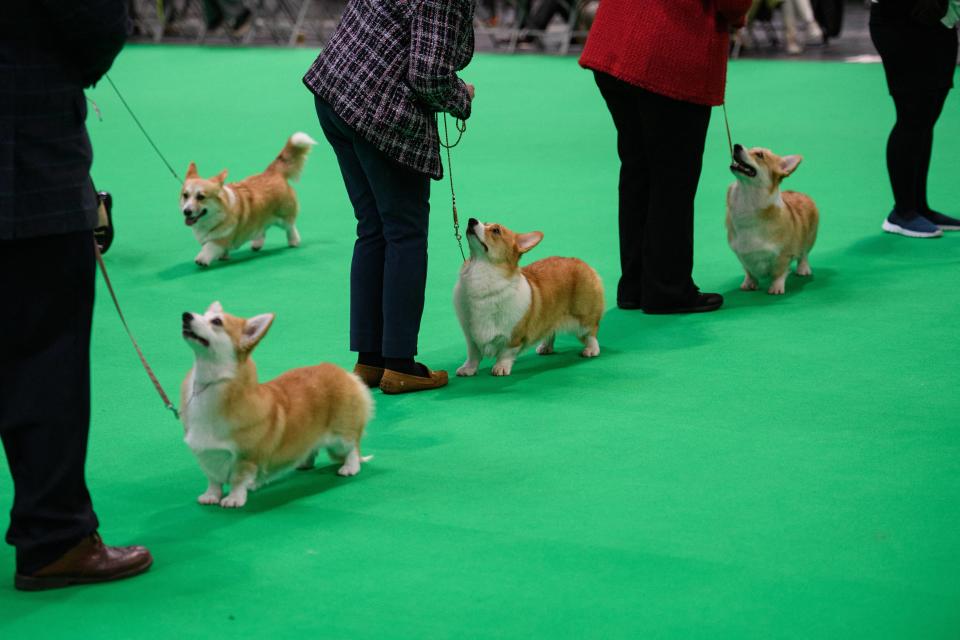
660,65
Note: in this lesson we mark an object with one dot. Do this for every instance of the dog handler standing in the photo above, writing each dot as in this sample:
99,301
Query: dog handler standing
389,69
49,51
660,65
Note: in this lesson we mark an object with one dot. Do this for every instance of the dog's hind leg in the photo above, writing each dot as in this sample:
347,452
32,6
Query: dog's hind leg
257,243
293,236
545,347
308,462
351,465
803,266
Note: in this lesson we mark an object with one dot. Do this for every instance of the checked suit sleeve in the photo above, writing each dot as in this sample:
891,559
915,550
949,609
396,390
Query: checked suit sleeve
435,33
92,32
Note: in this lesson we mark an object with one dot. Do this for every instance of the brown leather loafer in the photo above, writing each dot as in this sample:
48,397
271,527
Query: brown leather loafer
371,376
395,382
89,562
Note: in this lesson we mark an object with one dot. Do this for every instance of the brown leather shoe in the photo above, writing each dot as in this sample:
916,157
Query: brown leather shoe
371,376
396,382
89,562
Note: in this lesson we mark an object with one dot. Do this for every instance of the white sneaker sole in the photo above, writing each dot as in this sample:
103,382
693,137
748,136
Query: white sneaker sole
949,227
889,227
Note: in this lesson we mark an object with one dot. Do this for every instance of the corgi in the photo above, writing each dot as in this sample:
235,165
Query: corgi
504,308
244,433
225,216
767,228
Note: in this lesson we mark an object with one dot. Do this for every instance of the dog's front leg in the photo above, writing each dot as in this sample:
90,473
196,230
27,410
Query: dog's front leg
472,363
504,364
242,479
213,493
211,251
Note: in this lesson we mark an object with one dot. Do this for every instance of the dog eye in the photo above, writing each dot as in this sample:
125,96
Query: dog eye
185,195
495,231
200,196
217,321
760,154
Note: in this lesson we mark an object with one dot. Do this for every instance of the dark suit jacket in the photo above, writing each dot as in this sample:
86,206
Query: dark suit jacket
391,66
50,50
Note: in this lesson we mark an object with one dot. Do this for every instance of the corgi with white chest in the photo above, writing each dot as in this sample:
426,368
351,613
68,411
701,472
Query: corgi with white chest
244,433
504,308
226,216
768,228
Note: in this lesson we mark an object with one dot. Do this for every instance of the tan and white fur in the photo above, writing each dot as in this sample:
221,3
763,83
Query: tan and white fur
244,433
226,216
767,228
504,308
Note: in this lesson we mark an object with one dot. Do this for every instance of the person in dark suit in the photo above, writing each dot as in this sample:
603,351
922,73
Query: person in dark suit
918,46
378,85
50,50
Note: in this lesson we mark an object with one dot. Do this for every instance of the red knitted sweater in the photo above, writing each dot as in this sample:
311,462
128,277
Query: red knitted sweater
677,48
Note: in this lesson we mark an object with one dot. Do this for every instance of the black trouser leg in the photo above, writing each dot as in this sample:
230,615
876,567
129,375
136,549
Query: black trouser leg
660,142
48,290
389,273
909,147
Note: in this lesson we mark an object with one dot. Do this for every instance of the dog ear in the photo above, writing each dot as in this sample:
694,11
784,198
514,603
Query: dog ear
254,329
789,164
527,241
221,177
192,171
215,307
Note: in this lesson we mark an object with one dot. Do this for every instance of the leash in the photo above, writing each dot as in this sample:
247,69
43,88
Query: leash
461,127
726,121
142,130
143,360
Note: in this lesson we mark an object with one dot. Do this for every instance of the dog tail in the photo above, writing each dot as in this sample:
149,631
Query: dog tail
293,156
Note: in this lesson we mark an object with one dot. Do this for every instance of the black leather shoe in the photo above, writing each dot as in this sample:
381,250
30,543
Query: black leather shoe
702,303
629,305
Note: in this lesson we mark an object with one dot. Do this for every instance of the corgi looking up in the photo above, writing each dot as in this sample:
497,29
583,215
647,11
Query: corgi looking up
504,308
244,433
767,228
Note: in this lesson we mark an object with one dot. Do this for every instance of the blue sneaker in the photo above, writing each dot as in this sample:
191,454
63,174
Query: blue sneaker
944,223
915,227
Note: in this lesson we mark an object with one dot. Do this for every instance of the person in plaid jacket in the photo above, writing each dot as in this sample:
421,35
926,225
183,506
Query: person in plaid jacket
388,70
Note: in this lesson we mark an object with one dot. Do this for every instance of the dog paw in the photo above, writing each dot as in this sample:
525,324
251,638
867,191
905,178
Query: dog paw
777,289
590,352
201,262
544,349
233,501
502,369
208,498
349,469
804,270
748,285
467,370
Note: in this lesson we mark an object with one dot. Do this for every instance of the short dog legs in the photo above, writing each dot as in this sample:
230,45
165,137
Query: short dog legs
211,251
213,493
242,480
803,267
749,282
504,364
257,242
469,367
545,348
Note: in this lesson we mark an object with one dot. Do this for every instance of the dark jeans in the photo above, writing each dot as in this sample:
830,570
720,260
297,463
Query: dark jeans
47,290
660,142
388,275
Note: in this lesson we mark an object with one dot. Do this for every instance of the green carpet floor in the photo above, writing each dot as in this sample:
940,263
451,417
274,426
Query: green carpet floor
786,468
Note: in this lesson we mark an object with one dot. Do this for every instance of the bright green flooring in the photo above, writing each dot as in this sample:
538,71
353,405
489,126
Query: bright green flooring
787,467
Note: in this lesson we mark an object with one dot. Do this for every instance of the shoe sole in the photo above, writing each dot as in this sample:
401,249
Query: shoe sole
31,583
666,312
889,227
948,227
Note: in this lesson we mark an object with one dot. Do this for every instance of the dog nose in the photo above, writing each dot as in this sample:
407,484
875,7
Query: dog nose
472,222
187,317
737,148
187,212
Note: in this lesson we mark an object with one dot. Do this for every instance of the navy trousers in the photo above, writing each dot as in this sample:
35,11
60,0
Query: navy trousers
47,289
388,275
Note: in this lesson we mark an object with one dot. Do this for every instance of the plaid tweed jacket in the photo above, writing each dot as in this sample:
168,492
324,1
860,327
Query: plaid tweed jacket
391,66
49,51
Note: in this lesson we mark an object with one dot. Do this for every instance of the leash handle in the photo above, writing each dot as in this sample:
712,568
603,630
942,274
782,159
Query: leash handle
461,127
143,360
